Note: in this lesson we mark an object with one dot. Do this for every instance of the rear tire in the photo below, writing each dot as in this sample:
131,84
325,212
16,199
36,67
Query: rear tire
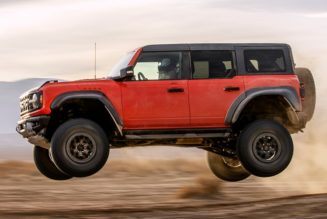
265,148
46,166
305,77
228,169
80,147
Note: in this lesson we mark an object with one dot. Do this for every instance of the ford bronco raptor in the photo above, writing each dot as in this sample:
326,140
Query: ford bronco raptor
240,102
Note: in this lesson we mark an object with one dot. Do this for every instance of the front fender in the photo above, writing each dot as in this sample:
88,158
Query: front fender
58,101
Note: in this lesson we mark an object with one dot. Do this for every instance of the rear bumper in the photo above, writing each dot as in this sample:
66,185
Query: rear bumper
33,129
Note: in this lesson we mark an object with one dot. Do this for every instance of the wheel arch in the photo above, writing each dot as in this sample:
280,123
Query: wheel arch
289,95
83,97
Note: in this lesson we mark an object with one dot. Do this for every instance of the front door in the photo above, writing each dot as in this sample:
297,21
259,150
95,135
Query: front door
213,87
157,96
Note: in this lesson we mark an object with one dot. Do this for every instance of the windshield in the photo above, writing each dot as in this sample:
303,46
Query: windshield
123,63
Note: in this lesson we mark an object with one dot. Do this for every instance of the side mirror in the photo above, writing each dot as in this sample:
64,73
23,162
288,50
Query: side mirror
127,72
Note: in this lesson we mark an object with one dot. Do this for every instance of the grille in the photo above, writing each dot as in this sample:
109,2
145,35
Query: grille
25,106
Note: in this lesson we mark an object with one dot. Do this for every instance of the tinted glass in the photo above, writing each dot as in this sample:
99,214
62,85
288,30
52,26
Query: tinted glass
258,61
212,64
158,66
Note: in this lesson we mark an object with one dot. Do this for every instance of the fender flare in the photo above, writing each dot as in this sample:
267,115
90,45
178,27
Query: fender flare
95,95
289,94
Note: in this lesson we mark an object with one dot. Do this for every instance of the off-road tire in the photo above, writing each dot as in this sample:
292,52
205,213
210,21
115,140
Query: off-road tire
227,169
46,166
265,148
309,103
79,147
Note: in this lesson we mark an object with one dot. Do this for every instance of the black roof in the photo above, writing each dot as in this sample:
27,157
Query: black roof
209,46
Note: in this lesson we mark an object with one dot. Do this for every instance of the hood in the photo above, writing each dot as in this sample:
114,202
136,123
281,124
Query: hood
35,89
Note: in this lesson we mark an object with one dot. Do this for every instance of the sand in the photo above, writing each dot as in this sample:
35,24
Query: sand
152,189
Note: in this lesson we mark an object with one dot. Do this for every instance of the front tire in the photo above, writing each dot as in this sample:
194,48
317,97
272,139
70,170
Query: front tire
80,147
46,166
265,148
228,169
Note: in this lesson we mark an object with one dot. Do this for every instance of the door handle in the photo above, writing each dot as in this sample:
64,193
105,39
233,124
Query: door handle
231,88
175,90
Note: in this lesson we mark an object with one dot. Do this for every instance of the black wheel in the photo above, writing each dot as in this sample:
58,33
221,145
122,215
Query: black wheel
265,148
309,103
46,166
79,147
225,168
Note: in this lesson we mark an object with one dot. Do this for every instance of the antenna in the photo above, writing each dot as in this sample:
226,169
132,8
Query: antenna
95,60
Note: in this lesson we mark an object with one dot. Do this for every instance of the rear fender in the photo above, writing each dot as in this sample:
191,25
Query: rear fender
289,94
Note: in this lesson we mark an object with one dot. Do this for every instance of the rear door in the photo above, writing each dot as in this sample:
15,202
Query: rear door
157,96
214,87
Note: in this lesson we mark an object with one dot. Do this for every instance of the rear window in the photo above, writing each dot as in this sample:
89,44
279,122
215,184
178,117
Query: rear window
261,61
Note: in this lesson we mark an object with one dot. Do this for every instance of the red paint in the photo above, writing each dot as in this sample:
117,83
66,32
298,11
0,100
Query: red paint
209,102
135,57
148,104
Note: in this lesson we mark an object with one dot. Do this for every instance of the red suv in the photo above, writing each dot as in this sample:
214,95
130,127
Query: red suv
240,102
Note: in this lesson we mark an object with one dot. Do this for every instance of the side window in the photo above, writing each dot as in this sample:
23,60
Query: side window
212,64
158,66
258,61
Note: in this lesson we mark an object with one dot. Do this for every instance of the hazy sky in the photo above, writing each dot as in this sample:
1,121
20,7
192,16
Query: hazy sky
55,38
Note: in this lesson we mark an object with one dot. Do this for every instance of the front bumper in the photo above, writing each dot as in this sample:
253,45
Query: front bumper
34,129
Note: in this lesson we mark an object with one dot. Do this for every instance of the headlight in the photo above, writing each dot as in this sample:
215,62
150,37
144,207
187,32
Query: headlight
35,101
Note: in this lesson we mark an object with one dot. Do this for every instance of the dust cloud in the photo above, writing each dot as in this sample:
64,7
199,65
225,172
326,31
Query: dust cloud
204,187
308,170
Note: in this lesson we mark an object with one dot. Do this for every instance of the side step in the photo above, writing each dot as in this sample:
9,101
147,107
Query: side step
176,136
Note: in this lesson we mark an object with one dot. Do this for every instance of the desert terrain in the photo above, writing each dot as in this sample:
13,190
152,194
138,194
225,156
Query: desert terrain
157,188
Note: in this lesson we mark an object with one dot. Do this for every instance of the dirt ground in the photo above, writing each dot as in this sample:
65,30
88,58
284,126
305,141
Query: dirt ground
151,189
